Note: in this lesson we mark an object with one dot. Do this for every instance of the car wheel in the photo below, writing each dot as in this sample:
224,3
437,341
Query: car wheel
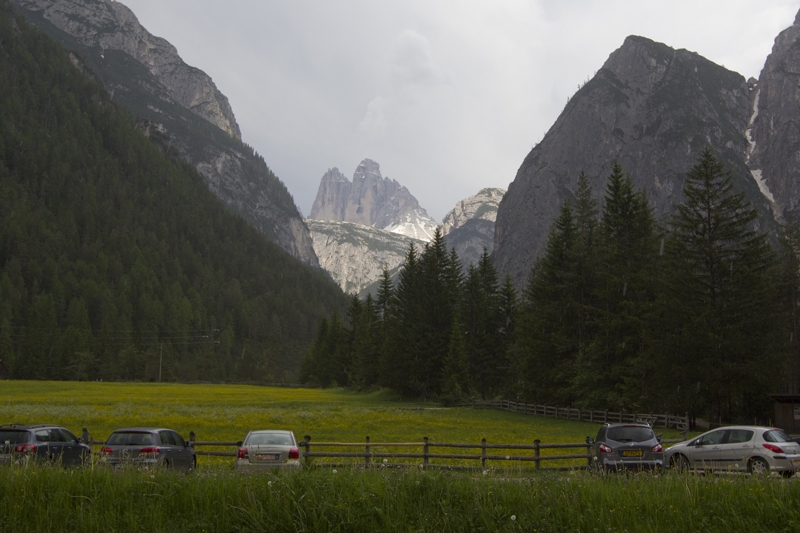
166,464
85,459
680,463
194,464
758,466
786,474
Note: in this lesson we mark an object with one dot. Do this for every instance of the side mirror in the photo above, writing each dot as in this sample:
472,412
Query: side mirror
302,444
79,441
589,440
658,437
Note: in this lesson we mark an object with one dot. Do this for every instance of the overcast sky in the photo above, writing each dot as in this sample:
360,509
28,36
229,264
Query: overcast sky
447,96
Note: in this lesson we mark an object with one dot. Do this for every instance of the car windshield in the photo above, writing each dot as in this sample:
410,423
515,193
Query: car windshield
13,436
776,435
270,438
133,438
630,434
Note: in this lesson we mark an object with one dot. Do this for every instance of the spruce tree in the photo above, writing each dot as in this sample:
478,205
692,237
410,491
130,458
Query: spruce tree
718,303
614,369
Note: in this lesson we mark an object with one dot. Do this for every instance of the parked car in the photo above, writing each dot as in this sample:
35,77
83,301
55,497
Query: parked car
269,449
626,447
148,447
754,449
43,442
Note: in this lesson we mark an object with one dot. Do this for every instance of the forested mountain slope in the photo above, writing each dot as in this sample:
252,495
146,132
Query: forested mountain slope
117,262
179,106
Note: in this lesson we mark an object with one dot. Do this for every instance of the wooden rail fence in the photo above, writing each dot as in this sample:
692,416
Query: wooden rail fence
681,423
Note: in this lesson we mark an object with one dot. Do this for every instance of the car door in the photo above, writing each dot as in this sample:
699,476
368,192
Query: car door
736,450
704,453
182,450
168,448
71,449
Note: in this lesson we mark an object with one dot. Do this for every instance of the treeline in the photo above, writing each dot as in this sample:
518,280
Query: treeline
698,316
117,262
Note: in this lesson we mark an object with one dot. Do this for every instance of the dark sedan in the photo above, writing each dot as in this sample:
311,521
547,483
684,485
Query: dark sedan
148,447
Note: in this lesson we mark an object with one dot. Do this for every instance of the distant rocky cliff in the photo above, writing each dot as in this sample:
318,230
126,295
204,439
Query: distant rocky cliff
355,255
371,200
469,227
178,106
774,127
652,108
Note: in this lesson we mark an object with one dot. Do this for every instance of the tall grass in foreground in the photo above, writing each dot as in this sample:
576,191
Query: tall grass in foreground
40,498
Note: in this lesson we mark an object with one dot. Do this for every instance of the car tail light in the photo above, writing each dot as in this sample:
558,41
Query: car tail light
106,450
242,453
604,449
25,448
151,450
294,453
657,448
773,448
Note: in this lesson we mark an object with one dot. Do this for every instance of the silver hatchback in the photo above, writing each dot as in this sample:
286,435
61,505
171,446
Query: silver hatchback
755,449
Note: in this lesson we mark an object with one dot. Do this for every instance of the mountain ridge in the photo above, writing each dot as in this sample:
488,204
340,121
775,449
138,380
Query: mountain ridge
177,105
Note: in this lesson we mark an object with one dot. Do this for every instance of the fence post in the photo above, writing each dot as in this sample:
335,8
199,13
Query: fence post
307,438
591,415
580,417
425,451
483,453
366,456
536,453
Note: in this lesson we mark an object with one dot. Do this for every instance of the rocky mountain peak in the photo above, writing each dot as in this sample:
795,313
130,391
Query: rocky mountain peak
650,107
480,206
371,200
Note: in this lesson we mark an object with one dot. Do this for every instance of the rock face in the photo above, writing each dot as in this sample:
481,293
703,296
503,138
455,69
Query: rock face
355,255
774,130
652,108
371,200
469,227
178,106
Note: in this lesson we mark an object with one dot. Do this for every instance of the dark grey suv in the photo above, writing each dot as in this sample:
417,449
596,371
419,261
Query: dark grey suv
42,442
149,447
626,447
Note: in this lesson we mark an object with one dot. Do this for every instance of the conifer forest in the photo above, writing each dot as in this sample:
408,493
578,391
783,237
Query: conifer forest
696,316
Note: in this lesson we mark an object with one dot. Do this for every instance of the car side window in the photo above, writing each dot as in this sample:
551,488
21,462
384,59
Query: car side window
41,435
68,436
715,437
55,435
738,436
177,439
601,435
166,438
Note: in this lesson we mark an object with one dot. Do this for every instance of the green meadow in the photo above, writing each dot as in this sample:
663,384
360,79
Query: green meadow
228,412
214,498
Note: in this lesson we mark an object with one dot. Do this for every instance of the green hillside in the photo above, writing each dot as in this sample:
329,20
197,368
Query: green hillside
114,260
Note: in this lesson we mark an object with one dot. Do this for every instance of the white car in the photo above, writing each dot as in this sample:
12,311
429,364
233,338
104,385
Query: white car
269,449
755,449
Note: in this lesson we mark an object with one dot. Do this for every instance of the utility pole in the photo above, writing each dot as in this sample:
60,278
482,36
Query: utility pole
160,360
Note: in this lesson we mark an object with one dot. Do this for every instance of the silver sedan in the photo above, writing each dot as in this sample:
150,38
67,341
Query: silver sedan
268,450
755,449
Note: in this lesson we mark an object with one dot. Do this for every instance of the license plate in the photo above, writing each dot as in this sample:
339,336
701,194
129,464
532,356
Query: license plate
796,462
268,456
631,453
